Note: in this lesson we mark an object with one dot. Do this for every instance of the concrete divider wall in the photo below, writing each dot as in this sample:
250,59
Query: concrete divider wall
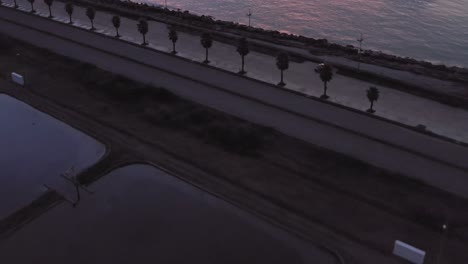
373,140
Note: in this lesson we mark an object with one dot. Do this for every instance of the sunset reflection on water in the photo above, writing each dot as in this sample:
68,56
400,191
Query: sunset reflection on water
436,30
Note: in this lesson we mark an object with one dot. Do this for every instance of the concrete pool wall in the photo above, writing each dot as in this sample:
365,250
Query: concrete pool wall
141,214
35,149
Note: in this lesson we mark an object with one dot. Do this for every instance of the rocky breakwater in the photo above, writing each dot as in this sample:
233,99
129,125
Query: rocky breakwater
316,45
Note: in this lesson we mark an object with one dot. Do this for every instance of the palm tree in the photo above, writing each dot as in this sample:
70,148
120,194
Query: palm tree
206,41
372,95
326,75
69,10
173,37
282,62
49,5
116,23
143,29
32,6
243,50
91,14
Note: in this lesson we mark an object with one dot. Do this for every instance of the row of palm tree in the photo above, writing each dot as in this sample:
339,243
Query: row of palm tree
32,6
143,29
326,75
91,14
173,37
206,40
243,50
373,95
116,23
31,2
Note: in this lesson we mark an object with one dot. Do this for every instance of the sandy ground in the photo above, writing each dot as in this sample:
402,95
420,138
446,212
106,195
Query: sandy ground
393,104
35,149
139,214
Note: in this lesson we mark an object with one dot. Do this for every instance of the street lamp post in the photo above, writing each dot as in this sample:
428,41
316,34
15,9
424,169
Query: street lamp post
249,15
360,40
442,242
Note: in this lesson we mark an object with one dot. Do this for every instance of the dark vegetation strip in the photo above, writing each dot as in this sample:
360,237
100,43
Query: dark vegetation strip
427,217
168,110
26,214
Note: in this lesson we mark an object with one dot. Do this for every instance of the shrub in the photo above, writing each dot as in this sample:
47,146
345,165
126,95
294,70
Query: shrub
161,116
229,133
239,138
88,74
200,117
160,94
6,44
163,108
121,89
116,87
430,217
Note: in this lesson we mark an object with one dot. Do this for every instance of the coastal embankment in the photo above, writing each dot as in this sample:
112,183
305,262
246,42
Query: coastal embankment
370,139
447,85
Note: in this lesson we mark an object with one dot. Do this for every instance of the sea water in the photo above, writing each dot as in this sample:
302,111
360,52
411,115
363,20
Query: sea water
432,30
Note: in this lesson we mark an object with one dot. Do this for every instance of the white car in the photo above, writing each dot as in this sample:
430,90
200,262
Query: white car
319,67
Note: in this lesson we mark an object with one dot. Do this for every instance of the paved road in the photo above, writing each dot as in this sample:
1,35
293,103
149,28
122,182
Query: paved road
378,142
412,110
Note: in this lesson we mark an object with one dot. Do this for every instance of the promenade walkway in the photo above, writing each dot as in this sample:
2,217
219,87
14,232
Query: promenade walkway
393,104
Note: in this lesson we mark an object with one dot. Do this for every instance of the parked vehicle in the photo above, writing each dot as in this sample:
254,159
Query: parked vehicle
319,67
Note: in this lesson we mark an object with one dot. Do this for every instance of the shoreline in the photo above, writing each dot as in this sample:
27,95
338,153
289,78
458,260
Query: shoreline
336,40
434,83
312,45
